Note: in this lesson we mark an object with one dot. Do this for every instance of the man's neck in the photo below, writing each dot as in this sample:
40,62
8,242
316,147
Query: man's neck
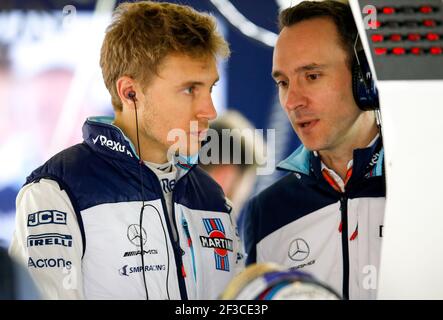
338,162
338,158
151,151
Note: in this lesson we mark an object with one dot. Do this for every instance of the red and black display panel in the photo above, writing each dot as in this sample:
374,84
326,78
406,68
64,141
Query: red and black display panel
407,42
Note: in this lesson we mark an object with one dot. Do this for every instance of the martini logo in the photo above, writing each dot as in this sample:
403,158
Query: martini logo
217,241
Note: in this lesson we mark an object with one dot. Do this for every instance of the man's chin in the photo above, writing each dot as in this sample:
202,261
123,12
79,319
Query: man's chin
312,146
193,152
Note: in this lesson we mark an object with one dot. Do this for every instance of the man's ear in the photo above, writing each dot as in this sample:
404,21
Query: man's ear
126,91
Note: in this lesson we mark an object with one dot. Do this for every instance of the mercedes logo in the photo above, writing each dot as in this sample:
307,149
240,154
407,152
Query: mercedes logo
134,234
298,250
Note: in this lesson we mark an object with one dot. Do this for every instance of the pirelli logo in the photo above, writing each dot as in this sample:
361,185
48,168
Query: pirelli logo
50,239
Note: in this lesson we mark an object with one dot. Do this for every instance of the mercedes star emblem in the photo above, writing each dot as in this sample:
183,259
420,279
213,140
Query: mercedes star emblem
134,234
298,250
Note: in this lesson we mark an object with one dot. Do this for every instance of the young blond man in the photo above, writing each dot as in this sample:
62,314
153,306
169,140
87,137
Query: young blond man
120,216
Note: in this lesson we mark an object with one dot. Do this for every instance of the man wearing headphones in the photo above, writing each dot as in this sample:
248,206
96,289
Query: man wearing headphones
325,217
126,214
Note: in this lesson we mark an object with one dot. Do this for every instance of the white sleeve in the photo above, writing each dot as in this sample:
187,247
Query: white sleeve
47,240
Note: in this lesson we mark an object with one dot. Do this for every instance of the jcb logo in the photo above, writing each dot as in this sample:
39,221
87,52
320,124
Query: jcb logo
46,217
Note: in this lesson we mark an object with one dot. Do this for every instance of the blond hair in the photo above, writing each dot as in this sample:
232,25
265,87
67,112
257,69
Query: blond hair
142,34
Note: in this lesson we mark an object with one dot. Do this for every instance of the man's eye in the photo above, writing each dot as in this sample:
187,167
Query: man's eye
189,90
313,76
281,84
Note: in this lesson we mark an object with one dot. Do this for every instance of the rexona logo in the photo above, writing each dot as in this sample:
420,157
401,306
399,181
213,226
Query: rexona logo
50,239
49,263
127,270
111,144
46,217
168,185
218,241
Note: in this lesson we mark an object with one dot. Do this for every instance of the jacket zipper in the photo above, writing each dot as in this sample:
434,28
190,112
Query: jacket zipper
175,244
188,235
345,248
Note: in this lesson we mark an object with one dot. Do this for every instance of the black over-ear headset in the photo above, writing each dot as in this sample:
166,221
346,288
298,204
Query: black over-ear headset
363,85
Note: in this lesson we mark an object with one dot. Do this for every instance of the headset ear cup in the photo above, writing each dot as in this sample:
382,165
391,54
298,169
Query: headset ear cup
364,89
356,79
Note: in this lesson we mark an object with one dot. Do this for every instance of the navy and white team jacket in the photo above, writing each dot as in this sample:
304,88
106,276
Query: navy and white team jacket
302,222
78,226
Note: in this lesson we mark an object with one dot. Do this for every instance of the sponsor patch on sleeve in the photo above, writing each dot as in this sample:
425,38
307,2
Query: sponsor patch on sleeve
46,217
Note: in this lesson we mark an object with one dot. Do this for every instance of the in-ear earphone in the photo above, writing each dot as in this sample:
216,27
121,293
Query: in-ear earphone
130,95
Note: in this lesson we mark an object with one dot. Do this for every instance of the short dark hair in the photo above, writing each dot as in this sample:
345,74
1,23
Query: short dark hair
338,12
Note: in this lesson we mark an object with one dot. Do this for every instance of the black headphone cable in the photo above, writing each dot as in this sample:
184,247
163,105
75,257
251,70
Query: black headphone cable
142,212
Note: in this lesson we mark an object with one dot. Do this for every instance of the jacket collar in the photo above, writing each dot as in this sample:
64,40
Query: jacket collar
105,138
299,161
367,161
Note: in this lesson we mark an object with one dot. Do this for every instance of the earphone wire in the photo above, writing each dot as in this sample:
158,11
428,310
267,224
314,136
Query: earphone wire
142,253
142,212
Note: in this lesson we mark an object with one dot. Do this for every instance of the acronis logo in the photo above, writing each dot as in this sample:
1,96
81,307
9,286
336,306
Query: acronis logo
49,263
111,144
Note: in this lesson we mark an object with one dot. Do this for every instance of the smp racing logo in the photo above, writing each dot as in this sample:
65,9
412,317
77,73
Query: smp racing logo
217,241
127,270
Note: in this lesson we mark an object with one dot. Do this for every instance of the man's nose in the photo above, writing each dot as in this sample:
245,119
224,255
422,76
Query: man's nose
295,98
207,110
